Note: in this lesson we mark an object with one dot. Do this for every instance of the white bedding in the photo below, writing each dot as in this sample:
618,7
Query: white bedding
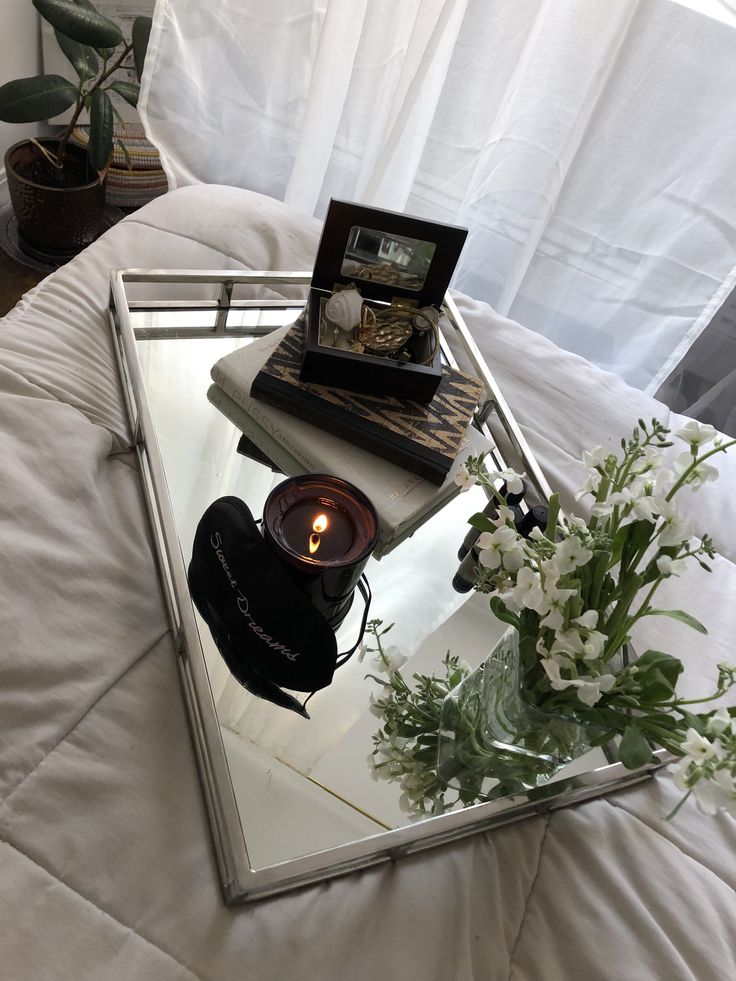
107,867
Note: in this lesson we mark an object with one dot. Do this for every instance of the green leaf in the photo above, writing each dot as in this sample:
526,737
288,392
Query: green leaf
655,687
481,522
670,667
502,613
81,56
141,34
128,90
104,53
28,100
100,130
634,750
79,23
693,721
681,616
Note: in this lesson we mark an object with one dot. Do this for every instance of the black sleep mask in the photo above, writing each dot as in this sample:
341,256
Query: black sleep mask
267,631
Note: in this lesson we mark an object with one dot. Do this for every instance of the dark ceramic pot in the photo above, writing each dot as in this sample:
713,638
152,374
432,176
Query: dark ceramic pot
54,220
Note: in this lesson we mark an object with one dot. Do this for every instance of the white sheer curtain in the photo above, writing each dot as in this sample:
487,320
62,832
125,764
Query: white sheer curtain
587,145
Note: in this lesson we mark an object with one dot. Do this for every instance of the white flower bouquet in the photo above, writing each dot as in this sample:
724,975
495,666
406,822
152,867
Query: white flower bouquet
573,593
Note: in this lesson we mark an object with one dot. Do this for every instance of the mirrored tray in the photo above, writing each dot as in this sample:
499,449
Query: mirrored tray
291,801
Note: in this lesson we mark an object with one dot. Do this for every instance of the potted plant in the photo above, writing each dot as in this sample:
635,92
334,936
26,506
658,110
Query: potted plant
57,188
563,677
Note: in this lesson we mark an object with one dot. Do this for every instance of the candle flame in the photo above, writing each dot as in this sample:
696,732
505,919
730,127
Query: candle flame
319,525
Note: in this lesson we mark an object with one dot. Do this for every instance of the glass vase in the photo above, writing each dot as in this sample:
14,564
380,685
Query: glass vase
493,740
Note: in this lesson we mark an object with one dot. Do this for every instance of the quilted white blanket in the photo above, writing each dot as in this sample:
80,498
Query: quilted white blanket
107,868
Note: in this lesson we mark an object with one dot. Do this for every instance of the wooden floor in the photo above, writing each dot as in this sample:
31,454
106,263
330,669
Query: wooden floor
15,280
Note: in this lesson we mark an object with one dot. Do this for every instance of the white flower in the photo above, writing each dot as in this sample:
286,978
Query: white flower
616,499
567,642
644,505
651,460
554,605
679,772
537,535
593,645
715,792
553,619
699,475
494,544
552,668
391,661
372,767
528,590
720,721
674,529
697,747
588,620
576,523
505,516
411,781
595,457
590,485
669,566
696,433
663,484
591,689
512,479
570,554
464,478
373,707
513,558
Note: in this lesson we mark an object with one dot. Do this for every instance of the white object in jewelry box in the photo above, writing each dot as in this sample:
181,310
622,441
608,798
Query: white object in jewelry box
343,308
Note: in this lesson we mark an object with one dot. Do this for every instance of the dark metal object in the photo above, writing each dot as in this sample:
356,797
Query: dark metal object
58,221
490,511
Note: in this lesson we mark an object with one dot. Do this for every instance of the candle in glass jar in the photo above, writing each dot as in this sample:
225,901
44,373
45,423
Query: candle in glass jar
323,529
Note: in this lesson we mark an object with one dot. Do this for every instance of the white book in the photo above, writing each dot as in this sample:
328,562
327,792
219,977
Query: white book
403,501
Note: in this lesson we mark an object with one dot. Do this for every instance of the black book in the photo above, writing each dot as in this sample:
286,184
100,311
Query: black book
424,439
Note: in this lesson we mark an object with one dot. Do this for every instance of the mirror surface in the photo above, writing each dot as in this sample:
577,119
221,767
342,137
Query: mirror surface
393,260
304,786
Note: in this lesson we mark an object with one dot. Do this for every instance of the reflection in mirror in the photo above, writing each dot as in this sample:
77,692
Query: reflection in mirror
175,320
392,260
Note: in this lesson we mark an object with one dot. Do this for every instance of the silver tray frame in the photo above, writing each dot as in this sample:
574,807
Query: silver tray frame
240,881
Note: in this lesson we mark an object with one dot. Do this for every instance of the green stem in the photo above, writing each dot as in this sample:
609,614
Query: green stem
696,463
674,811
80,104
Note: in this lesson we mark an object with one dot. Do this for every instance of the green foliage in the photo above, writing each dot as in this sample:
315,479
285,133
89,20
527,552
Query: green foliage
658,673
26,100
81,24
141,34
128,90
481,523
100,129
103,52
634,750
681,616
82,57
82,33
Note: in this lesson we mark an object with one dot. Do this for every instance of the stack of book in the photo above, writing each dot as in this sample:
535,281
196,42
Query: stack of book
403,455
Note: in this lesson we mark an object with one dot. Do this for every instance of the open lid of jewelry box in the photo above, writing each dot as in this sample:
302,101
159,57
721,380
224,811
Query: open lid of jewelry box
386,255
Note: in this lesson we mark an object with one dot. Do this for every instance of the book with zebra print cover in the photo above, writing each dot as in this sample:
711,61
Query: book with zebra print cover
424,439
